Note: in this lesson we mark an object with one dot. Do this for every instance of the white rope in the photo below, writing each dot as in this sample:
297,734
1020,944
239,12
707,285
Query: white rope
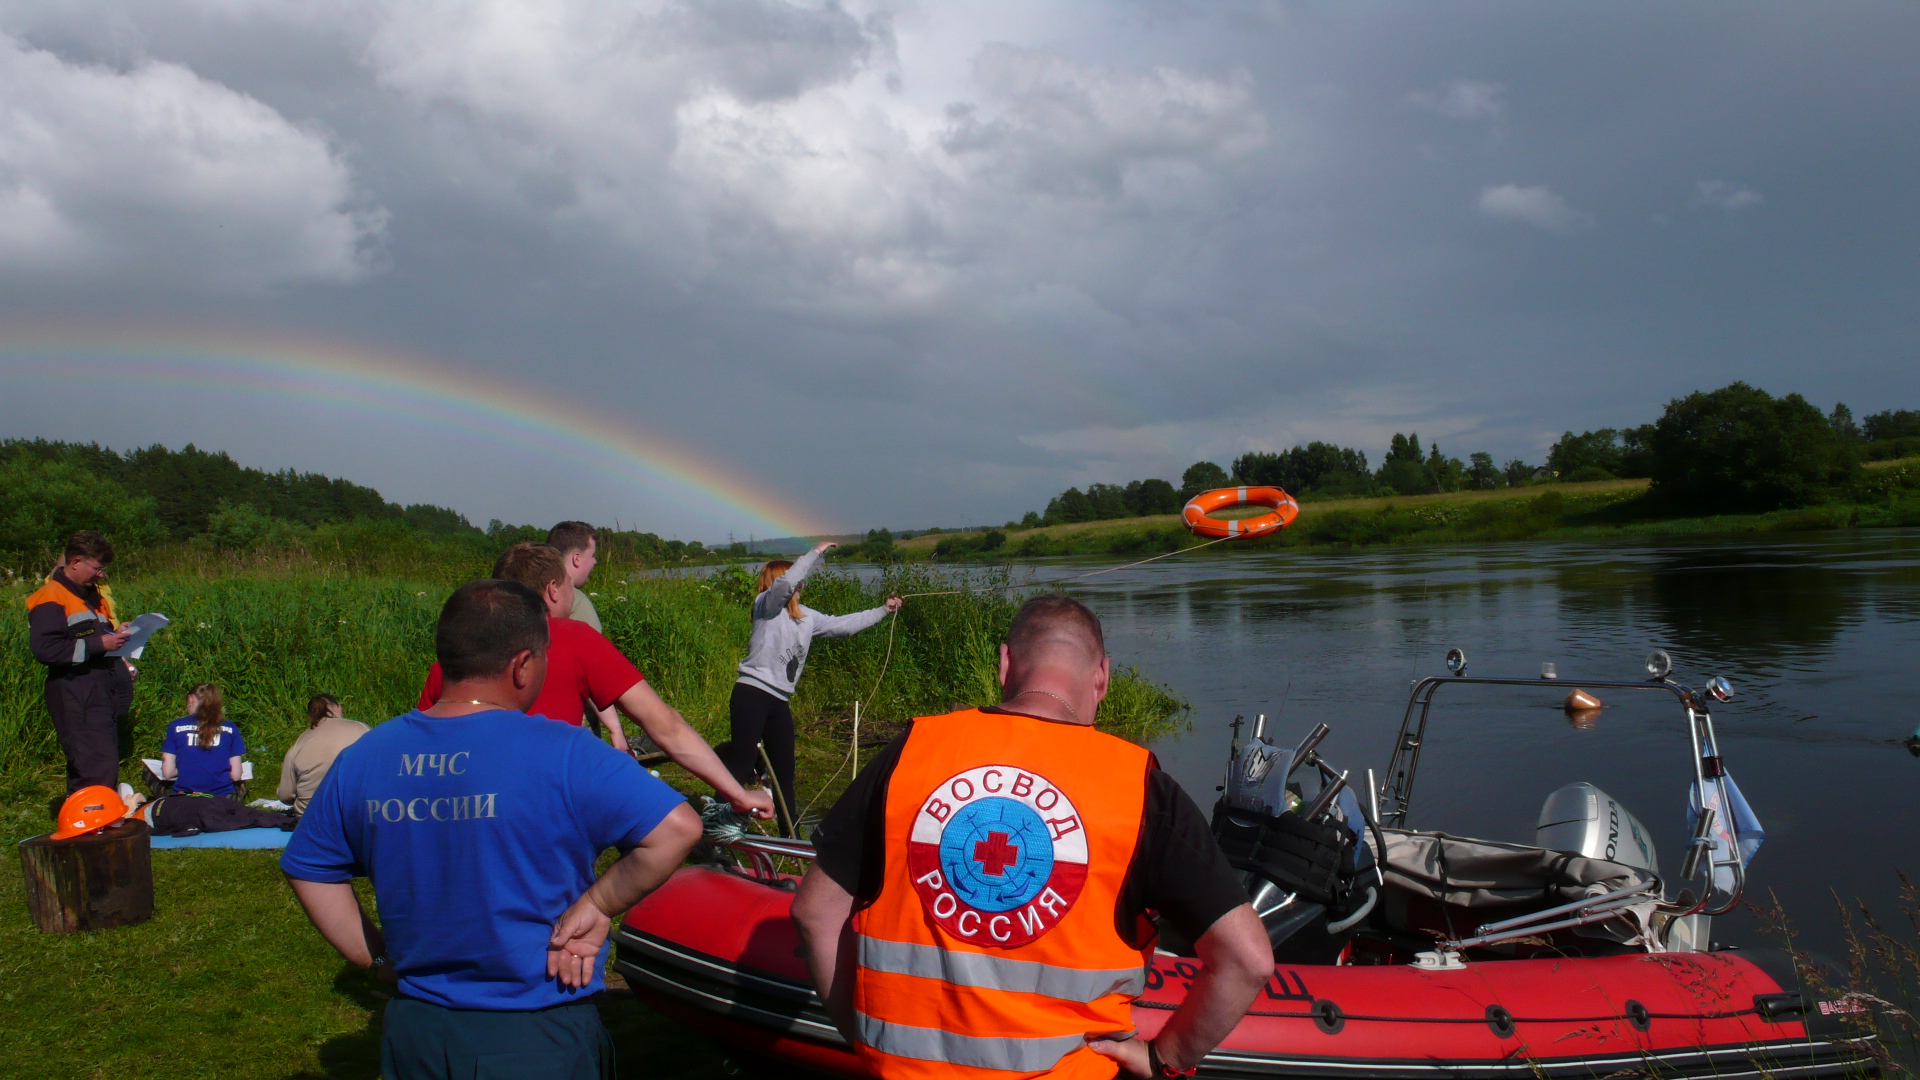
893,622
1076,577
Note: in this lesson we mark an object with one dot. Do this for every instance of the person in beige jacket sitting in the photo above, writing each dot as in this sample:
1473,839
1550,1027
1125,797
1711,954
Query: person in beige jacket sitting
312,754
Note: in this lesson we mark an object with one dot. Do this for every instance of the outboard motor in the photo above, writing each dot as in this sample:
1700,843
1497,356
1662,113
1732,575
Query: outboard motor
1583,820
1300,858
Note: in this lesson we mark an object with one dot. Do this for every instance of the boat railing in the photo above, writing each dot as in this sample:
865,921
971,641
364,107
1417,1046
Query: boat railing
1709,772
1583,912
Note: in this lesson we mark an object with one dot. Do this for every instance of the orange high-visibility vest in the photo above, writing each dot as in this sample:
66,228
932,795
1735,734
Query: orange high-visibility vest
79,616
991,950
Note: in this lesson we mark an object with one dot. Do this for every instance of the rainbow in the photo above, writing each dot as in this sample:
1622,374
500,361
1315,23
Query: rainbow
413,387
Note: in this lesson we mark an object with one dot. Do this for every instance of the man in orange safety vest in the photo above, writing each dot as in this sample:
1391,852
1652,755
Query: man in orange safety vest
979,902
72,630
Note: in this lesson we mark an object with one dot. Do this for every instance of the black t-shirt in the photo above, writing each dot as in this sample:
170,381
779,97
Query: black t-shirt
1177,870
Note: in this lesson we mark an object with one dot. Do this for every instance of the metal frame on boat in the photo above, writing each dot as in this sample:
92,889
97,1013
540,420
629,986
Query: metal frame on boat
1708,769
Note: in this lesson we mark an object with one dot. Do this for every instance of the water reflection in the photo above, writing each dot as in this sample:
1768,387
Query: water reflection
1752,607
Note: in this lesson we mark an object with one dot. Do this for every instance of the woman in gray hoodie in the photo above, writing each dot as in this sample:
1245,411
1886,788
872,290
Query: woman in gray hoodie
783,631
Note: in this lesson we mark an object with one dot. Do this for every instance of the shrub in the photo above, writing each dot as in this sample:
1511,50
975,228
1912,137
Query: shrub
1318,467
245,527
1740,448
1891,449
1201,476
44,502
1891,424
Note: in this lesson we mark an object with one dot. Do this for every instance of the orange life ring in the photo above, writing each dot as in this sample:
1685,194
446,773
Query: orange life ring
1207,502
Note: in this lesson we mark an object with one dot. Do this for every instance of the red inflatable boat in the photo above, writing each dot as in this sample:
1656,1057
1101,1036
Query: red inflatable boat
1445,958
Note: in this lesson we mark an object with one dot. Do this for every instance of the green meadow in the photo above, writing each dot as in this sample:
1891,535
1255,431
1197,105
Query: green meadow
228,980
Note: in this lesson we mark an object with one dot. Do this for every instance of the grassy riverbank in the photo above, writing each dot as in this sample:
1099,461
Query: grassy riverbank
228,980
1889,496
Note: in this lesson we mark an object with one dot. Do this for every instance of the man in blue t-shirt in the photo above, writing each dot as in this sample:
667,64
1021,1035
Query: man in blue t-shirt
479,826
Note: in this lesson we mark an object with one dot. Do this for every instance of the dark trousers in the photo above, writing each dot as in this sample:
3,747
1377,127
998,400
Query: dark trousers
423,1041
759,717
122,708
82,707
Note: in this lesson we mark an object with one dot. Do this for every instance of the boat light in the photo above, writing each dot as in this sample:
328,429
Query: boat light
1719,688
1659,665
1548,671
1456,661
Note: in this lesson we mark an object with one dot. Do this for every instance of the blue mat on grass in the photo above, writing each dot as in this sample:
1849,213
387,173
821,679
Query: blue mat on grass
238,838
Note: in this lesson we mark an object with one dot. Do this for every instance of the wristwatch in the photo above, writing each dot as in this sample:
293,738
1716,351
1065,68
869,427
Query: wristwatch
1161,1068
374,965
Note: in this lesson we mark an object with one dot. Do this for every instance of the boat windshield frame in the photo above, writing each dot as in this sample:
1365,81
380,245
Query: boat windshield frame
1396,798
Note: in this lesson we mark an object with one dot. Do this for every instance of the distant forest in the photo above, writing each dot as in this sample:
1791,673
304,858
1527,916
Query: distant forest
1320,470
141,498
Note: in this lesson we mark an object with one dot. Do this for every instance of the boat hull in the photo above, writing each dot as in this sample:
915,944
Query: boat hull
718,950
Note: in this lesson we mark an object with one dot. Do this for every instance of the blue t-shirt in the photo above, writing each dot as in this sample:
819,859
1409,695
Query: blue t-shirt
204,770
478,831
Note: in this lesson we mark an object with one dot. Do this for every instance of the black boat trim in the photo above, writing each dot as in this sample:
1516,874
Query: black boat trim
791,1008
1760,1061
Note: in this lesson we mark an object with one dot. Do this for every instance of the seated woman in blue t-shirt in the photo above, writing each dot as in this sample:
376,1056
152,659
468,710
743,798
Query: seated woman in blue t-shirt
202,750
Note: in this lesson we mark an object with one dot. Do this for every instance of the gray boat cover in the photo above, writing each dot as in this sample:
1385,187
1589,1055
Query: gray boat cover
1506,879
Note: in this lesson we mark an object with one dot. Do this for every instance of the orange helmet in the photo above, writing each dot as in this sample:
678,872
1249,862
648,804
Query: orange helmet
88,809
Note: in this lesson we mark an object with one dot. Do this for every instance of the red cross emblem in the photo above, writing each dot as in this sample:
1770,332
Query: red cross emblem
994,854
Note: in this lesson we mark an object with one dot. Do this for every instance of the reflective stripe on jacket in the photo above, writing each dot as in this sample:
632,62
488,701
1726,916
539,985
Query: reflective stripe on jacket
83,622
992,944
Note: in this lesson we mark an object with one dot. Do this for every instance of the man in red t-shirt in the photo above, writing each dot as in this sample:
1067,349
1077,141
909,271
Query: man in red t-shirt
583,666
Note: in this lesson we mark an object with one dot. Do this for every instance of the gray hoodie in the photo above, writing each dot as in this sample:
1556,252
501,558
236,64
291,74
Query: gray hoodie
778,650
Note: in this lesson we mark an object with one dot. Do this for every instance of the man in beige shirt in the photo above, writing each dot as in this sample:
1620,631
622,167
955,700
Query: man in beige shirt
312,754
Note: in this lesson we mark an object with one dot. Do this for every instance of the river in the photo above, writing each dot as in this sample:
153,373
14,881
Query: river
1815,631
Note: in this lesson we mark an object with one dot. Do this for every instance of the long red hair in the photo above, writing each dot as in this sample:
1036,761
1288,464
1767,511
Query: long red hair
770,573
209,710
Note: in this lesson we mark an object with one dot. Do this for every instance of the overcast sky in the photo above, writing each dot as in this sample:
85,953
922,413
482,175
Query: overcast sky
924,263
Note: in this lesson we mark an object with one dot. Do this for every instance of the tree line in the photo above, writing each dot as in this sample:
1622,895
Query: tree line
1737,447
155,495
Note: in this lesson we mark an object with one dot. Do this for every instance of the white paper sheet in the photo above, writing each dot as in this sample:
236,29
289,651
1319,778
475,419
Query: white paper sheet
140,630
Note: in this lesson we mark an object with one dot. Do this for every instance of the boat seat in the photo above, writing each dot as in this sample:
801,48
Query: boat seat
1448,885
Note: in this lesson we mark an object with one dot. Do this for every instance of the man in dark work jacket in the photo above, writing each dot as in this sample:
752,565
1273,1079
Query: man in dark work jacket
72,629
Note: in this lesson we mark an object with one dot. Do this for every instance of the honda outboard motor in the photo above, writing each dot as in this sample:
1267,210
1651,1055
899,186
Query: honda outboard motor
1583,820
1299,858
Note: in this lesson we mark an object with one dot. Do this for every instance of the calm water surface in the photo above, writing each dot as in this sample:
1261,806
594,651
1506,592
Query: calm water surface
1819,634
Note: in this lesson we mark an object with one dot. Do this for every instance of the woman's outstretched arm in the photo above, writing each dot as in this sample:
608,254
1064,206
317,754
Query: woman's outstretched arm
849,625
769,603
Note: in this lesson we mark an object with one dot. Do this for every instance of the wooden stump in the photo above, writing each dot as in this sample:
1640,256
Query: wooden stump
95,881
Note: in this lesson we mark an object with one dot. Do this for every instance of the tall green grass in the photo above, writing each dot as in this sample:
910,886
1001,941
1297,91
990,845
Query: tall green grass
273,636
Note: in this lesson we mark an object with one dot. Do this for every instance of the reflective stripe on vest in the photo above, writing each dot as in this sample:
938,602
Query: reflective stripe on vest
933,1044
998,972
78,613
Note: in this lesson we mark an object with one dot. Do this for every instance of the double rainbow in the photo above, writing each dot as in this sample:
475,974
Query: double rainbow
416,388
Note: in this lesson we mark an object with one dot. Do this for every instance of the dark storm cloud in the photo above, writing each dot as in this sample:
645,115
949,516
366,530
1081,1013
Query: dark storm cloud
916,262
